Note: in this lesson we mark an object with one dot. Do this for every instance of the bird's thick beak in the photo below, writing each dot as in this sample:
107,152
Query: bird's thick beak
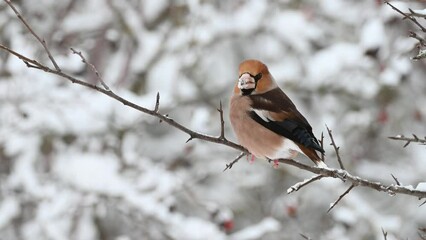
246,82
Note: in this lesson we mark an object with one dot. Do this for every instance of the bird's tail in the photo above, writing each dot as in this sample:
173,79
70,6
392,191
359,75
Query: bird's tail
312,154
321,164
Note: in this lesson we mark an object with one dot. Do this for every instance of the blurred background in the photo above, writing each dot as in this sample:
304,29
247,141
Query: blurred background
75,164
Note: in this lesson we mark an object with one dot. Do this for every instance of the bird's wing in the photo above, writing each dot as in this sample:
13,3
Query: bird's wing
276,112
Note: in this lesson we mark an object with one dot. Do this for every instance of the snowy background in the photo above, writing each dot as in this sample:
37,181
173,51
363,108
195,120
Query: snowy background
75,164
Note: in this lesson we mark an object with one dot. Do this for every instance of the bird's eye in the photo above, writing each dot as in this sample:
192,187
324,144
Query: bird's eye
258,77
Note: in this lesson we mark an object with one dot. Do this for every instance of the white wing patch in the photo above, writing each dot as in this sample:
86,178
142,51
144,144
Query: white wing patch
264,115
288,149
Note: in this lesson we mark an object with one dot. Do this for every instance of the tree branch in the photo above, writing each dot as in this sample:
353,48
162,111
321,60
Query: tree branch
98,76
340,198
42,41
322,172
357,181
409,140
421,40
408,16
229,166
385,234
296,187
336,148
222,122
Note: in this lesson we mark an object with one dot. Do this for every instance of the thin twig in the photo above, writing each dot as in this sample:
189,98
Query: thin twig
416,14
396,180
326,172
411,18
356,180
229,165
408,139
340,198
421,40
163,118
304,236
385,234
222,122
296,187
334,173
42,42
322,146
157,103
336,148
98,76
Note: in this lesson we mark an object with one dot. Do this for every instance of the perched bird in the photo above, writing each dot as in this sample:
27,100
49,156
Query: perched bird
265,120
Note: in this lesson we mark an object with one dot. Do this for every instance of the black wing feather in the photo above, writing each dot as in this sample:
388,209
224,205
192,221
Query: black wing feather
291,129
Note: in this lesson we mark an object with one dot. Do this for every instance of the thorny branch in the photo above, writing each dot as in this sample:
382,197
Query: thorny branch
408,16
409,140
356,180
340,198
321,172
98,76
336,148
412,17
296,187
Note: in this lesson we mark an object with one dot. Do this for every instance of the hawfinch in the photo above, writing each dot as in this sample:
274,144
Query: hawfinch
265,120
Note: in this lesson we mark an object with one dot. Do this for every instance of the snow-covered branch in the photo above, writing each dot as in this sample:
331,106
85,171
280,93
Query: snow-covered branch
155,112
412,15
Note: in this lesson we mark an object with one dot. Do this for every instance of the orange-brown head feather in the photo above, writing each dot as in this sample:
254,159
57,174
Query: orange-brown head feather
255,67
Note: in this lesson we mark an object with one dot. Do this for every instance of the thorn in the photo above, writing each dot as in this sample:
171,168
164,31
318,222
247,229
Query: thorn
220,106
304,236
157,102
229,166
396,180
189,139
166,115
408,142
415,137
422,204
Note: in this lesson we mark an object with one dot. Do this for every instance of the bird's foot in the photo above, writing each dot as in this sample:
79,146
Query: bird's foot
276,163
250,158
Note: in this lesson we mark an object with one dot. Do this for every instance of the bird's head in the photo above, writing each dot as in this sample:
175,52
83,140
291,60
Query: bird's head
254,78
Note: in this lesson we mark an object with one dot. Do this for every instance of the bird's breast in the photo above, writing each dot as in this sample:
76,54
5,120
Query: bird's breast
259,140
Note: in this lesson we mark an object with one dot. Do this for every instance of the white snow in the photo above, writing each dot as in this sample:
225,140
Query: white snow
92,173
195,229
421,186
295,30
152,8
324,66
73,161
373,34
346,215
159,80
9,209
258,230
420,12
85,20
